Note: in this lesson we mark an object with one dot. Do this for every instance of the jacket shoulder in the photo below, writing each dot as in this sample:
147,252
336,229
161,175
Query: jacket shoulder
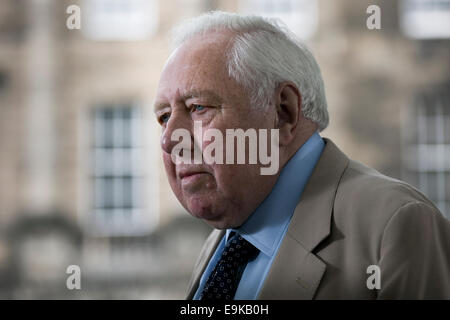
369,183
369,198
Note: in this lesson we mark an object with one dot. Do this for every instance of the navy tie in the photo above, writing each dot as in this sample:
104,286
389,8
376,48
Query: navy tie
224,279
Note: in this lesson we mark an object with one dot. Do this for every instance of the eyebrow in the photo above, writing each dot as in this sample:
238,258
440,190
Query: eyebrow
194,93
201,93
160,105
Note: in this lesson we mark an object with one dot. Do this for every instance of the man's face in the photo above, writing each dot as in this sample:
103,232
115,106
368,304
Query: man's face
195,86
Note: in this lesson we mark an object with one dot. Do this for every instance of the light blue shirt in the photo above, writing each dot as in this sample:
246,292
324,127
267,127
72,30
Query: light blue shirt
267,225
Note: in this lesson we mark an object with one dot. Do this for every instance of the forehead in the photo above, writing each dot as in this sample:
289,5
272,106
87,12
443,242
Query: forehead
198,64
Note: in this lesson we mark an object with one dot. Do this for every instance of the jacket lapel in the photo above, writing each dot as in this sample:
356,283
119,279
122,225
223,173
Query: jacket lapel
205,255
296,272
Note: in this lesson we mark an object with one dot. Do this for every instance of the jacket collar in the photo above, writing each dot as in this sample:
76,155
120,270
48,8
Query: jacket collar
312,217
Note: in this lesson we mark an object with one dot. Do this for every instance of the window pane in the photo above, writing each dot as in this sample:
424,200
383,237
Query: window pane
136,194
98,193
118,136
300,16
425,19
127,127
108,118
118,189
108,192
447,128
128,191
447,185
431,129
119,19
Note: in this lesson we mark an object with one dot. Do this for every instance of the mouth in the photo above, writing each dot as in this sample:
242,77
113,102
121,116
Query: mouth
192,177
186,175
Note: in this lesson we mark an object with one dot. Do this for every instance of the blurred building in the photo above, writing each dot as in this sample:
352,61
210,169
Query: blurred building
81,180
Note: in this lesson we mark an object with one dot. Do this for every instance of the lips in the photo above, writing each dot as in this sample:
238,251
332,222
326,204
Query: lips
187,174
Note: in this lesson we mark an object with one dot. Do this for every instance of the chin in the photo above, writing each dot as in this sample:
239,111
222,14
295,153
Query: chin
218,225
202,209
220,222
212,213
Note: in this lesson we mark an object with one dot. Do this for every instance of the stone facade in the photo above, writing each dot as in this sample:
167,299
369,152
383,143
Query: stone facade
51,78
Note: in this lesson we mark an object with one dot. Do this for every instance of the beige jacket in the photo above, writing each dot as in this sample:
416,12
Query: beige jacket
351,217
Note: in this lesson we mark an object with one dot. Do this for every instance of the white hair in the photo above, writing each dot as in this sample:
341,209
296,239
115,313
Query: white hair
263,54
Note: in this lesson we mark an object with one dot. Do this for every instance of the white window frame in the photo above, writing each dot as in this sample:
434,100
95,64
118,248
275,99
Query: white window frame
119,20
300,16
114,159
425,19
426,158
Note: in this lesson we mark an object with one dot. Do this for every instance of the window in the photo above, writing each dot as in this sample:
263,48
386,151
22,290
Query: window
4,80
426,158
117,179
300,16
425,19
119,19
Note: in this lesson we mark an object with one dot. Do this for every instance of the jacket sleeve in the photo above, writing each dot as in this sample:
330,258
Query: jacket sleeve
415,254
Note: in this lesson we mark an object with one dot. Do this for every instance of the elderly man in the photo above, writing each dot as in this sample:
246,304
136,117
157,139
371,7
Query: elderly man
322,226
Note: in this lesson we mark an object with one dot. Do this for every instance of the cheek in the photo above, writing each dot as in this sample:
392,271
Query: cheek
232,178
170,167
172,177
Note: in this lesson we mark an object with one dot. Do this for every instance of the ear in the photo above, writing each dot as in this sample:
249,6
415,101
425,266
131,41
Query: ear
288,102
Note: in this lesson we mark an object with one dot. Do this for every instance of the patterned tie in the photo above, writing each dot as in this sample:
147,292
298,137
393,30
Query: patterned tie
224,279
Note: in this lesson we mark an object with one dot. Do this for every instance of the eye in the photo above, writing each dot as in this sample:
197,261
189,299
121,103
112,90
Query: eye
164,118
198,107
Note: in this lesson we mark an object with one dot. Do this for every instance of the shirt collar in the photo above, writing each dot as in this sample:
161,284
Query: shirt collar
267,224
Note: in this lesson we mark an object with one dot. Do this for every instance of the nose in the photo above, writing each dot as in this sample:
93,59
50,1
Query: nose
176,121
